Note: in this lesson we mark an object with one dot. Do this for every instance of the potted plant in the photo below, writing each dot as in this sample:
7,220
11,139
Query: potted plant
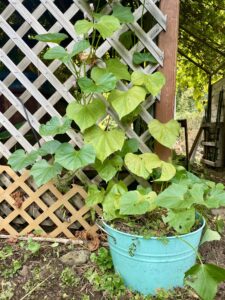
154,227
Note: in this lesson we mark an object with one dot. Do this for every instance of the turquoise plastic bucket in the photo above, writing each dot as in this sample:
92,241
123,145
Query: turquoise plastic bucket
150,264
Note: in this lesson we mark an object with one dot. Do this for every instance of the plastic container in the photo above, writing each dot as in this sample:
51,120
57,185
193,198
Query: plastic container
150,264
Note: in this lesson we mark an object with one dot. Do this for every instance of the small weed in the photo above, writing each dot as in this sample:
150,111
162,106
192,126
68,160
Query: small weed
102,259
7,251
69,278
33,246
12,270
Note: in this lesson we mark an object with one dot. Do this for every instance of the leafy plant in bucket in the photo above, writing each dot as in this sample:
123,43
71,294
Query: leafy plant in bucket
103,146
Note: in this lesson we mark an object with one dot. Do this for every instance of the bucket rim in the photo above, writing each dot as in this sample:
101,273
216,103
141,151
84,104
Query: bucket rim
156,238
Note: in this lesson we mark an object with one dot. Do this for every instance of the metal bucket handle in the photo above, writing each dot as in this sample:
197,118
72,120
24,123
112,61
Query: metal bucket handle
100,224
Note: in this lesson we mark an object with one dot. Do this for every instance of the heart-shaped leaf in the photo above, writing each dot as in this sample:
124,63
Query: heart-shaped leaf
142,165
124,14
83,26
204,279
166,134
135,203
86,115
73,160
152,82
43,172
55,126
51,37
20,160
168,171
104,142
57,52
182,221
102,81
118,69
124,102
107,25
108,169
139,58
49,148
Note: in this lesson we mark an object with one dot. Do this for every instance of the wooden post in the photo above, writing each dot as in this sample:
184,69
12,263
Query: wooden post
168,42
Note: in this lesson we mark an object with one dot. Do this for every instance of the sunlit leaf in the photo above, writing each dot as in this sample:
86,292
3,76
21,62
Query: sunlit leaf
124,102
152,82
57,52
83,26
107,25
49,147
86,115
166,134
94,196
118,69
104,142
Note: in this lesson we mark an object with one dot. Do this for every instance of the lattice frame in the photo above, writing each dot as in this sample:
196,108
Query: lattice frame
62,89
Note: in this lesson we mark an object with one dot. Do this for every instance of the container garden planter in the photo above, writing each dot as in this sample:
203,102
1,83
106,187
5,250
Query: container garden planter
149,264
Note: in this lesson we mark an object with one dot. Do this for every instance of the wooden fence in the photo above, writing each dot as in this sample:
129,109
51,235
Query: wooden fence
28,82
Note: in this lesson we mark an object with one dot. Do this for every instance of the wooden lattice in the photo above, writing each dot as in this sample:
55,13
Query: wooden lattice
40,105
25,210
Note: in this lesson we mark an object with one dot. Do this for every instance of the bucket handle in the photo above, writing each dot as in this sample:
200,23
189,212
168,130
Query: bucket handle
101,227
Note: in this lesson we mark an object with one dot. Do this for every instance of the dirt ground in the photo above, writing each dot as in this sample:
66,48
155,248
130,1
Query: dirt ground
26,274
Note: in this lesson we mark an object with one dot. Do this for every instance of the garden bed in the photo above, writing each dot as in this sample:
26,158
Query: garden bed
32,270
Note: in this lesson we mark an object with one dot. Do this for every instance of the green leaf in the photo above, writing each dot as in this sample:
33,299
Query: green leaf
33,246
107,25
73,160
152,82
80,47
104,142
51,37
182,221
124,14
216,197
118,69
102,81
57,52
43,172
108,169
135,203
124,102
130,146
83,26
49,147
111,203
55,126
168,171
166,134
197,193
204,279
86,115
142,165
173,196
210,235
94,196
20,160
139,58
